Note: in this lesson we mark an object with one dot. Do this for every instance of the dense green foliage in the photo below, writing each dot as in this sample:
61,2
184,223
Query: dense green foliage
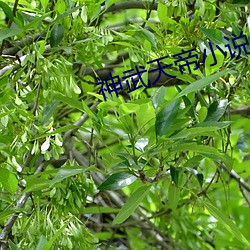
162,167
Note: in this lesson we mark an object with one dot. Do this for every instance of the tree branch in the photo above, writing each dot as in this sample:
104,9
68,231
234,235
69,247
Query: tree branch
21,44
16,63
236,177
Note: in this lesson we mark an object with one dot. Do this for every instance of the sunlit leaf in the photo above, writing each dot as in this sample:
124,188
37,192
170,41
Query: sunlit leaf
158,97
67,172
117,181
162,12
8,180
49,244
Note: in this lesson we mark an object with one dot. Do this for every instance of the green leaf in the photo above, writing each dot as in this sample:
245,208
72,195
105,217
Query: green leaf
193,132
197,85
162,12
117,181
166,117
174,172
108,3
35,183
173,196
198,175
13,31
49,110
215,35
158,97
66,172
9,211
70,101
202,114
210,60
68,12
35,21
7,10
13,246
194,161
49,244
132,203
216,110
56,35
98,210
227,223
128,108
8,180
188,105
204,150
41,243
147,35
219,125
56,131
44,3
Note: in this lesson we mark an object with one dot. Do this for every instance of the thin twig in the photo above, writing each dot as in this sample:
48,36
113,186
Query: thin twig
79,123
148,14
244,195
37,97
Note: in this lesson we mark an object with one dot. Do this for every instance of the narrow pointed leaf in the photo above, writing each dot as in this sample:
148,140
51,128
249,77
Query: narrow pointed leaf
216,110
8,180
173,196
7,10
56,35
117,181
132,203
166,117
229,224
198,85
